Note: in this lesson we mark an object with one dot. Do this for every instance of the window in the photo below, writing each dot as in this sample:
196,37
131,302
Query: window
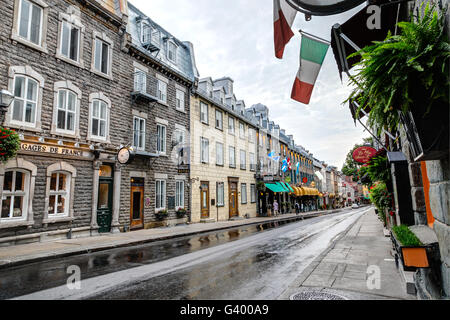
180,139
243,193
66,114
161,138
25,101
146,32
140,81
251,135
260,140
243,160
179,194
232,157
15,195
241,130
220,194
204,150
59,201
99,119
70,41
160,194
139,133
219,120
162,91
231,125
203,112
219,153
30,22
172,52
252,193
252,162
156,37
102,56
180,100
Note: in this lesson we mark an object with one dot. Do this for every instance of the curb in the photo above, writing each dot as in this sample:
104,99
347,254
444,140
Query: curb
86,250
313,265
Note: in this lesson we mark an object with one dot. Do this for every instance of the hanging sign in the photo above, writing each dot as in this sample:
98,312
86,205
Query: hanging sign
305,180
324,7
364,154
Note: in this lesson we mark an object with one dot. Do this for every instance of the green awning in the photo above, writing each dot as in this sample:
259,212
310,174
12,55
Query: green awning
289,187
275,187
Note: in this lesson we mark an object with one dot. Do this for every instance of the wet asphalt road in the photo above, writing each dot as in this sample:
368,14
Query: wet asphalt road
251,262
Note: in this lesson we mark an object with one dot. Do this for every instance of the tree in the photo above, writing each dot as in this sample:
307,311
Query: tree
351,168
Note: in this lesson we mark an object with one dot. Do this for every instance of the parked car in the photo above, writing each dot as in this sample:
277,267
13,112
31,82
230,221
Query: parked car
355,206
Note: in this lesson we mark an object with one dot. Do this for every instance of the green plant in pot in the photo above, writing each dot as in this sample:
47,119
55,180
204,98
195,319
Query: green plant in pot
181,213
9,144
410,249
408,72
162,214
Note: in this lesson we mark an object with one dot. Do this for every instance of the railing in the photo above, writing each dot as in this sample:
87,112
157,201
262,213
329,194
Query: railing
140,86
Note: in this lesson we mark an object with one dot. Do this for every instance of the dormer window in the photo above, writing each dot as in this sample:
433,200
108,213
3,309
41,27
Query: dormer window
172,51
146,33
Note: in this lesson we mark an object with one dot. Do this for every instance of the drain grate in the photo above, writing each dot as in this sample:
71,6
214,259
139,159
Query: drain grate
316,295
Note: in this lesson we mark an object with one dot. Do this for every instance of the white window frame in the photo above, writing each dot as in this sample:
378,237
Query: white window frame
145,25
161,195
97,36
68,86
180,100
140,80
220,191
232,151
203,119
231,129
252,161
243,159
252,193
241,130
161,145
174,52
19,164
58,193
179,194
219,122
162,91
24,194
180,132
243,193
141,134
220,158
204,150
26,72
93,97
15,34
73,19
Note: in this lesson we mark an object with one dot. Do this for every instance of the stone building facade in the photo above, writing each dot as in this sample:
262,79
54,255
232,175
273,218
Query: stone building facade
223,154
63,62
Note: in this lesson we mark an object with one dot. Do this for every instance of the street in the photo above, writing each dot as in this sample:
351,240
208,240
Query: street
250,262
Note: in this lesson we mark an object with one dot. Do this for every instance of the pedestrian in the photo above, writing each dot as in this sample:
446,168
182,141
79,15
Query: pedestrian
297,208
275,208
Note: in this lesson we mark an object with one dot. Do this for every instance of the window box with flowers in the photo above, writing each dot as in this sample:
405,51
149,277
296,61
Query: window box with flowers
9,144
161,215
181,213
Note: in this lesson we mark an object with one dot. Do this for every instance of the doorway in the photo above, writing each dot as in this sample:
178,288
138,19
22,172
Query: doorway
105,198
137,204
204,200
233,197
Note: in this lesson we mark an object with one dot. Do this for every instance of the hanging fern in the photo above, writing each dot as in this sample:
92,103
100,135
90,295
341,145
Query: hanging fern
393,72
9,144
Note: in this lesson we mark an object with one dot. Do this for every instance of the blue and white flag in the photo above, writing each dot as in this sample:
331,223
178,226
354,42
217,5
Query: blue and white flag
273,157
284,165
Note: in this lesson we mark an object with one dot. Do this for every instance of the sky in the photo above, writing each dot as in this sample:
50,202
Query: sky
234,38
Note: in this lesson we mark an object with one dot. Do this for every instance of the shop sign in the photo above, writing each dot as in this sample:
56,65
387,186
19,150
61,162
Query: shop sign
268,178
305,180
364,154
38,148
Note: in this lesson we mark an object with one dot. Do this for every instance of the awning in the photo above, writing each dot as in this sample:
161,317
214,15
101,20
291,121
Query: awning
275,187
298,191
288,187
359,35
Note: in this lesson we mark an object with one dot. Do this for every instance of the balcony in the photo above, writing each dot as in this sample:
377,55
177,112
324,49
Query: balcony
151,39
141,92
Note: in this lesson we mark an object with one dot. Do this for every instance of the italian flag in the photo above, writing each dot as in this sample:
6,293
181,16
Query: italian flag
283,17
312,54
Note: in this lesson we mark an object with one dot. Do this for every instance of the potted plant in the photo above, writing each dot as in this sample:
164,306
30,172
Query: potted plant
405,79
9,144
162,214
260,186
409,248
181,213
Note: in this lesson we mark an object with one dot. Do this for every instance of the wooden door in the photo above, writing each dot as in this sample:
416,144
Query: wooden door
204,200
137,203
105,199
233,198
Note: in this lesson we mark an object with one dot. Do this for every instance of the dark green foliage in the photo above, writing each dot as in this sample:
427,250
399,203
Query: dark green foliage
378,169
9,144
406,237
380,196
394,72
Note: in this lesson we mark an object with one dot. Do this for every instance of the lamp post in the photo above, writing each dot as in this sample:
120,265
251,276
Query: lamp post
6,98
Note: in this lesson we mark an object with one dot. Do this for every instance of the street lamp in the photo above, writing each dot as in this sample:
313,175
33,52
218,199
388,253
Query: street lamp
6,98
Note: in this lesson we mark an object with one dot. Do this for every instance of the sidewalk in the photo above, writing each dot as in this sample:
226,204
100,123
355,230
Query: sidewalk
38,251
343,268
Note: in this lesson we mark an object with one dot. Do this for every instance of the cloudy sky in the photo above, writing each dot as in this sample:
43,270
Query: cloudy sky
234,38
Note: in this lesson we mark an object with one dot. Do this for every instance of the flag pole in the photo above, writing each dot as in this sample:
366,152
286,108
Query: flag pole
311,35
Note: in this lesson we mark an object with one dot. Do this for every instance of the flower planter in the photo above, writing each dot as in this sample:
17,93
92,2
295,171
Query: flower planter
181,214
161,216
412,257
